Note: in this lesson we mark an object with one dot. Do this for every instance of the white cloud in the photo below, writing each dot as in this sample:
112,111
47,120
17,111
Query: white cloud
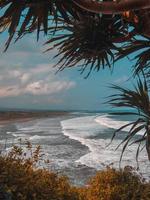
43,68
14,73
25,77
28,71
35,81
121,80
9,91
44,88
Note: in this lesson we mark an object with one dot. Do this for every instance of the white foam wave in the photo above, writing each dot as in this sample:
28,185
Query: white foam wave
82,128
29,137
9,132
38,137
19,135
107,121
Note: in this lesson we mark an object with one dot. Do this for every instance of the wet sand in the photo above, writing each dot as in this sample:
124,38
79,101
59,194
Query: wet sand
8,117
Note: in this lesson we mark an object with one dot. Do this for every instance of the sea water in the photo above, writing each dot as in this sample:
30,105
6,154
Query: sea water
78,144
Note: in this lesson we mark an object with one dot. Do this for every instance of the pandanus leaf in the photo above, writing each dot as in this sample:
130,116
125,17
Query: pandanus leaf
138,98
87,42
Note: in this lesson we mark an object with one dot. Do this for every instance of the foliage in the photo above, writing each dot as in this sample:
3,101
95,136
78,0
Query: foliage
21,180
84,42
94,38
30,15
139,100
115,185
142,58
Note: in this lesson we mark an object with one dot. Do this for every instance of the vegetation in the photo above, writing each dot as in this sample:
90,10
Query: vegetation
20,179
115,185
139,100
107,31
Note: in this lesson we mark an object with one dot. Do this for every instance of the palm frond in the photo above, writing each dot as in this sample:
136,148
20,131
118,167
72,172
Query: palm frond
141,49
29,15
87,42
139,100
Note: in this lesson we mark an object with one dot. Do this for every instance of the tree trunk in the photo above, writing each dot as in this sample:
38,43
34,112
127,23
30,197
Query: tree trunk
148,144
113,7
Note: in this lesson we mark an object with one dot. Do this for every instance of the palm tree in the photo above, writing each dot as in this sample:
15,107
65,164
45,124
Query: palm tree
112,7
142,58
84,42
30,15
137,99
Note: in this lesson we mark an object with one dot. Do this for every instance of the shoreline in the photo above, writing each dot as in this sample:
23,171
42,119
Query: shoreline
70,152
7,117
81,172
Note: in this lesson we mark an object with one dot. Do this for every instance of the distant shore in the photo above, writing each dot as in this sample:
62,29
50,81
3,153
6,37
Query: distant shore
21,116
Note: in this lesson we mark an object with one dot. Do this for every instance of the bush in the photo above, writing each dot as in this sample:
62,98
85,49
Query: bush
20,179
116,185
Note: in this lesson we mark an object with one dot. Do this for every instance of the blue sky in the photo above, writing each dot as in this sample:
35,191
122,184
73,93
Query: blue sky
28,80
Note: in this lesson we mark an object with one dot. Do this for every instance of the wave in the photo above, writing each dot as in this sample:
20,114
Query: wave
29,137
108,122
87,129
9,132
19,135
39,137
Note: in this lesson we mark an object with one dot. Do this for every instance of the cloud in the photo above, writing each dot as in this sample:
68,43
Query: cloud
36,88
43,68
45,88
28,76
40,80
9,91
25,77
122,80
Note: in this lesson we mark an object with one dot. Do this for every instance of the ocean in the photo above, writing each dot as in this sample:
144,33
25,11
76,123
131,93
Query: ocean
77,144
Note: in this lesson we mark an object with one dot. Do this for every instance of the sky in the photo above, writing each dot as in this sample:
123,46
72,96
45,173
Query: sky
28,80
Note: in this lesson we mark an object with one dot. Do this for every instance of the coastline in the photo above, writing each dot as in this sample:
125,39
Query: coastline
7,117
61,150
73,143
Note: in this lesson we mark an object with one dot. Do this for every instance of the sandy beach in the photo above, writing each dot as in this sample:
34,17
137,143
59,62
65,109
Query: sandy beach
8,117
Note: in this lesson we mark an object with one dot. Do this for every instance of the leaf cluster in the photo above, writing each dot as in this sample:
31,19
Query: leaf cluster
86,43
111,184
27,16
21,180
90,40
137,99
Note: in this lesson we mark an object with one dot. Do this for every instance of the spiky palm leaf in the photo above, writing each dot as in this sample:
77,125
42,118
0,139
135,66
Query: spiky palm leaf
141,50
139,100
29,15
89,41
